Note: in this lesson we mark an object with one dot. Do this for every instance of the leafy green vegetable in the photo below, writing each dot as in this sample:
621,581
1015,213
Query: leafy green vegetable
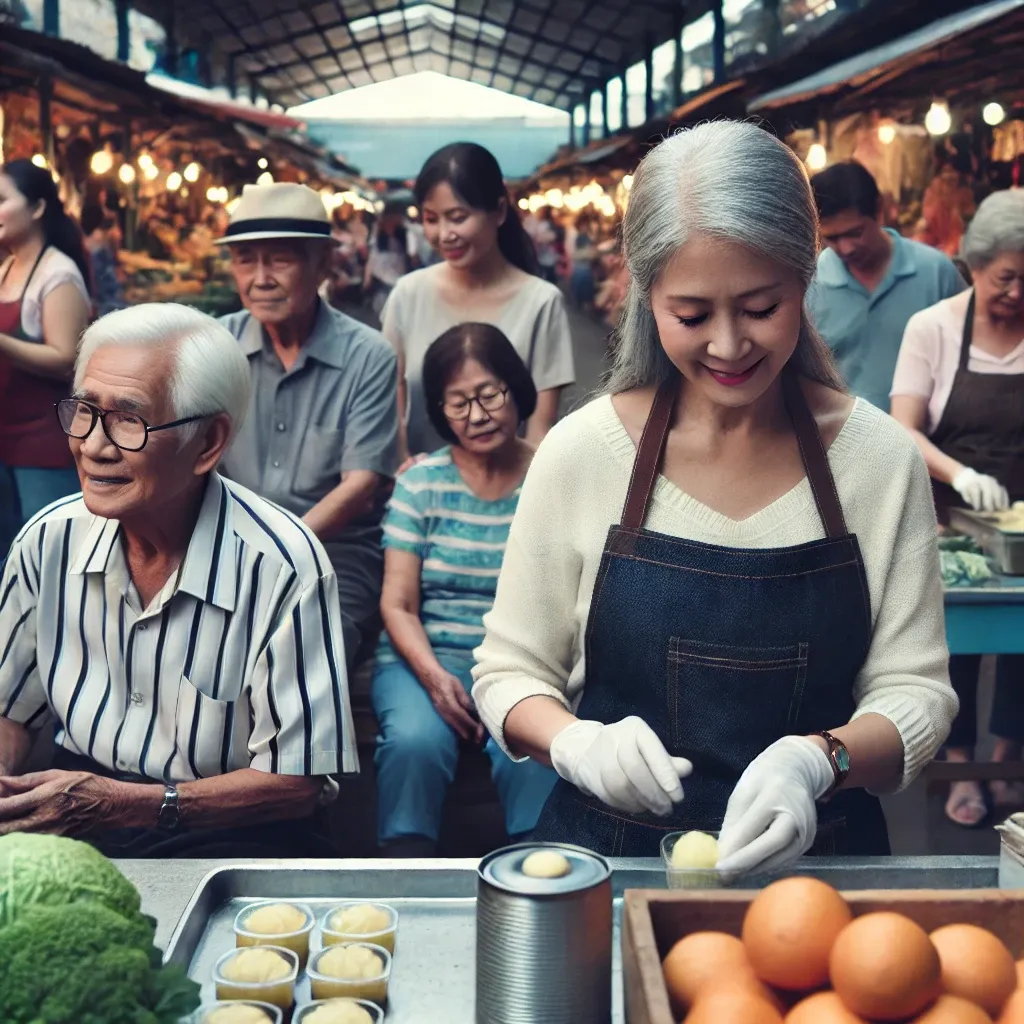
955,542
962,568
85,964
41,870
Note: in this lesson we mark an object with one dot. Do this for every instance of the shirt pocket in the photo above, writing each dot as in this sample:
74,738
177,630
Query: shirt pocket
205,725
727,702
318,465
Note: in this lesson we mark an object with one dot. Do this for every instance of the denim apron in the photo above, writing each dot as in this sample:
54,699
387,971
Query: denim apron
722,651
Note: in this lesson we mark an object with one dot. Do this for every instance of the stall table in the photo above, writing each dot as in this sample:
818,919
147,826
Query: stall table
435,970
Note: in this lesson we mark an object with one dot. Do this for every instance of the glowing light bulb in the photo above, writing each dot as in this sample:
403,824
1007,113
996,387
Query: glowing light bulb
192,172
39,160
266,178
150,172
412,213
938,121
101,162
262,163
145,160
126,173
173,181
817,157
887,134
627,182
993,114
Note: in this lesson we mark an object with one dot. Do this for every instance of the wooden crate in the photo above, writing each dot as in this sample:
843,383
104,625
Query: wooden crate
654,919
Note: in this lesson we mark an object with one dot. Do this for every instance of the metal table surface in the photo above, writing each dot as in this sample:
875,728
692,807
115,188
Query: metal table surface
987,619
168,885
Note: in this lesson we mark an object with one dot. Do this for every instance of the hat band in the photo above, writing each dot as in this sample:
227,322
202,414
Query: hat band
282,224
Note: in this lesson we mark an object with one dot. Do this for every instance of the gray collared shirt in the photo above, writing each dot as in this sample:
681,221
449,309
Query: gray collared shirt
334,411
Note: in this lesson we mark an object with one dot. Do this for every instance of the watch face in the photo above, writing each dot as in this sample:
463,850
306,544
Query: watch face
843,759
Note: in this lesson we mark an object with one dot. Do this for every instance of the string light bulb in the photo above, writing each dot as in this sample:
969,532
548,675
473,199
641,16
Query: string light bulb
145,160
39,161
266,178
126,173
887,133
938,120
151,172
993,114
262,163
192,172
102,162
817,157
173,181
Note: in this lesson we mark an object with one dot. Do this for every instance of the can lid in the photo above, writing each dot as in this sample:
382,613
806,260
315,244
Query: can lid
504,870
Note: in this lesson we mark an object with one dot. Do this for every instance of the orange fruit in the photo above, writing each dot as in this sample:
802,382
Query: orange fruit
885,967
724,1004
953,1010
703,958
1013,1011
789,930
975,965
822,1008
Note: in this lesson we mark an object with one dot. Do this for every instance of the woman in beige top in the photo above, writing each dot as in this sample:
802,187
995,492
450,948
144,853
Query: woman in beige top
488,275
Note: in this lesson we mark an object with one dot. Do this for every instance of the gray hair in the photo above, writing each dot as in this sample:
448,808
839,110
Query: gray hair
997,227
731,180
211,374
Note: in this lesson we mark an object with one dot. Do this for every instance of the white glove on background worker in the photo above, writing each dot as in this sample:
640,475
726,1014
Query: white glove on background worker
771,817
623,765
982,493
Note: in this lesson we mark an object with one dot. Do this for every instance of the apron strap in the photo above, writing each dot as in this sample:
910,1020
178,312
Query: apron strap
812,451
968,335
651,448
648,454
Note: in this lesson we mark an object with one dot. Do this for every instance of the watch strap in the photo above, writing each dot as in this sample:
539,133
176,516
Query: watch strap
839,758
168,817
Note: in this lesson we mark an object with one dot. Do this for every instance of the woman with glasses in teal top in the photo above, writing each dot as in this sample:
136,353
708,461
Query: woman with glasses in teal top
444,539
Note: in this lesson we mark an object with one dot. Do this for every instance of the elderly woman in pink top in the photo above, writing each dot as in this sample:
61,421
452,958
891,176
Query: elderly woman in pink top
959,390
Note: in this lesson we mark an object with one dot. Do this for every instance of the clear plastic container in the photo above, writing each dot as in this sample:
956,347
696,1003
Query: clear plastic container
328,986
297,941
205,1014
375,1012
279,992
687,878
333,936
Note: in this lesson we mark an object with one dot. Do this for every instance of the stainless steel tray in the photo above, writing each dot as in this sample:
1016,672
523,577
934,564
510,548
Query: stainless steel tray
433,978
1007,549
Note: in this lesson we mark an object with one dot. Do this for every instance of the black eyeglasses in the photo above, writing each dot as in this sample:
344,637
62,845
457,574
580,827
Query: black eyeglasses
489,399
125,430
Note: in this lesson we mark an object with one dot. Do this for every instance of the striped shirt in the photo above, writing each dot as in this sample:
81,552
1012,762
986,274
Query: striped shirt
237,663
460,539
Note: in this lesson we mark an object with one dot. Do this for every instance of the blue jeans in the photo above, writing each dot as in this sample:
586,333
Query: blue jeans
417,754
25,490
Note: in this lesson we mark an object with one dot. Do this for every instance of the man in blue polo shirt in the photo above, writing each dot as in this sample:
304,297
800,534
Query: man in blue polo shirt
870,281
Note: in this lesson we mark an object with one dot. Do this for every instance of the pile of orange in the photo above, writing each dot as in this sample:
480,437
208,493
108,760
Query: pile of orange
805,959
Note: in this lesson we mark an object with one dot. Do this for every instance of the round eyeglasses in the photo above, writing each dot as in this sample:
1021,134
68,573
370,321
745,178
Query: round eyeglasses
125,430
489,399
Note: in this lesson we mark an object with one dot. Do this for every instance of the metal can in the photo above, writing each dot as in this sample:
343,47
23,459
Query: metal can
544,945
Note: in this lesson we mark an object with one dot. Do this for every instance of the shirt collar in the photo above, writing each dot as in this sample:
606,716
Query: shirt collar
832,271
322,344
208,569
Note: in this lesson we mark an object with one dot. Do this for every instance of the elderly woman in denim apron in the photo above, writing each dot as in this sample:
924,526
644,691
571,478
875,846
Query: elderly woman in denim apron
724,569
959,390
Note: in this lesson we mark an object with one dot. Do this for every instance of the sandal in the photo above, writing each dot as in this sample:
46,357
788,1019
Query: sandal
966,805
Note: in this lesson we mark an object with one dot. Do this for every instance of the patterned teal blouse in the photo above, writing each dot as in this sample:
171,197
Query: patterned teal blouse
460,539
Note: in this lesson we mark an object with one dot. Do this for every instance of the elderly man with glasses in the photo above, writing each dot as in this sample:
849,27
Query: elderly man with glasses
181,634
321,436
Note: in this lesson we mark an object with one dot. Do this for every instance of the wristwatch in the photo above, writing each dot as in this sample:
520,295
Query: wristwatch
839,758
168,819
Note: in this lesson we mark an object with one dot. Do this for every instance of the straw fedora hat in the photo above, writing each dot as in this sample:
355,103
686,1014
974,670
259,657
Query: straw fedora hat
282,209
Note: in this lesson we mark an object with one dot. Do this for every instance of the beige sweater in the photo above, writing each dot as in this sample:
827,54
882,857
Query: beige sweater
575,490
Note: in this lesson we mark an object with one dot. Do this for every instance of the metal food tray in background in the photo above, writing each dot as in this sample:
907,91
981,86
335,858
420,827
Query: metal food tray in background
1006,549
434,975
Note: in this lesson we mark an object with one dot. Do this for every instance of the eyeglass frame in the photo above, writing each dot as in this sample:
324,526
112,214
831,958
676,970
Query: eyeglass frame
470,399
101,415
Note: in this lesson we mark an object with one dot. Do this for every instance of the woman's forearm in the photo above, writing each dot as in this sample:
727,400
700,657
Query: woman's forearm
876,753
403,430
532,724
38,358
410,640
941,466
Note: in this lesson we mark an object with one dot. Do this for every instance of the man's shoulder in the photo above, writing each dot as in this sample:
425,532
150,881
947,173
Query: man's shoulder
235,322
359,339
62,511
279,536
927,257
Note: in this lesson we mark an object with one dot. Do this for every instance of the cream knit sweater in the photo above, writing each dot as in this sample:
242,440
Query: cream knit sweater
575,491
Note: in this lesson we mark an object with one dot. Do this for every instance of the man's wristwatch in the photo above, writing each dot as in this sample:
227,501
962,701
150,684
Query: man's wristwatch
168,819
839,758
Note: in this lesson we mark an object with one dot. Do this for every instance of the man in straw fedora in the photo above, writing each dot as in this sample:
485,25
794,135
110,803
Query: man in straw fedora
320,436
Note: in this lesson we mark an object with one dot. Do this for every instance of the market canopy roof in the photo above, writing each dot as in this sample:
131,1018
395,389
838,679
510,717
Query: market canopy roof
866,68
553,53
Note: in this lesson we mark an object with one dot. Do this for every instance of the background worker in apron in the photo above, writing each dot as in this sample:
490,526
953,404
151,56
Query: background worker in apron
44,307
959,390
760,623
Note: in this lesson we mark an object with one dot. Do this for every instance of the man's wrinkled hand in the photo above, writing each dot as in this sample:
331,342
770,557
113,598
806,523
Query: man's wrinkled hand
58,803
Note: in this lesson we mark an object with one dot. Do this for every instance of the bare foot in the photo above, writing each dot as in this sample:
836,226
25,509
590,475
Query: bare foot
966,804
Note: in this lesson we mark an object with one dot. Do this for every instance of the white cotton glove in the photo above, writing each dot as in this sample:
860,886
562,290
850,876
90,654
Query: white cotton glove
982,493
623,765
771,817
